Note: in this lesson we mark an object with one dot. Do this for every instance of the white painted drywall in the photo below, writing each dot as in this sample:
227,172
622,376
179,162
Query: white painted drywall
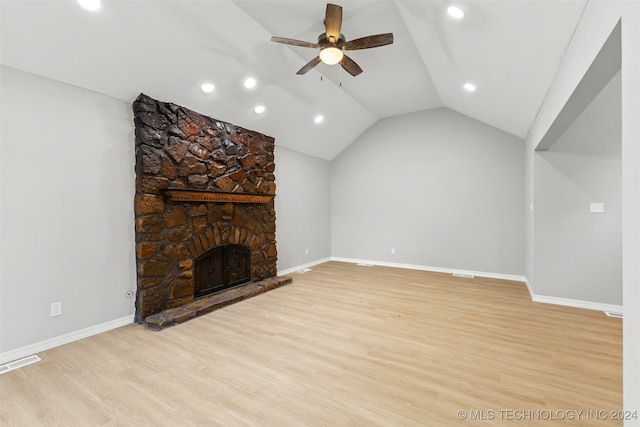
67,212
303,203
579,253
440,188
598,20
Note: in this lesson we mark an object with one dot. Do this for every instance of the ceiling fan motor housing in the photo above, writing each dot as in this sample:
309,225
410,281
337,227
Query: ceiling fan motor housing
323,41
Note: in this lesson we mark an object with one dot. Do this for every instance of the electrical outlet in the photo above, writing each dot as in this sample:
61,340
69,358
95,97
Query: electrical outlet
306,251
393,251
128,294
56,308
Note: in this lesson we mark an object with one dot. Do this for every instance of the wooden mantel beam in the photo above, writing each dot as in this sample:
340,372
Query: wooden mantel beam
182,195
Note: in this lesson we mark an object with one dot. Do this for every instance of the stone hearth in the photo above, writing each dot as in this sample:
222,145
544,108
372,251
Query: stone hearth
201,184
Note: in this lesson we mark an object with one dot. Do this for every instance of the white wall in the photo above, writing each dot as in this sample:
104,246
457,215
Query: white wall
444,190
579,253
598,20
303,209
67,212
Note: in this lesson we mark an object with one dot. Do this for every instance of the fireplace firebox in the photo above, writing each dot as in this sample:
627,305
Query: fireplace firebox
221,268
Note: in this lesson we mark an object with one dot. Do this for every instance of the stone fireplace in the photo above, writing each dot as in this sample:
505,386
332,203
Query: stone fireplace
204,210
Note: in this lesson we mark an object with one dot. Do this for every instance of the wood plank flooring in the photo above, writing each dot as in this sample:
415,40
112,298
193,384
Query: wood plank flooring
342,346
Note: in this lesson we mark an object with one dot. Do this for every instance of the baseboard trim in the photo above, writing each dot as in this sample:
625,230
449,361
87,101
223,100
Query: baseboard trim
11,355
589,305
501,276
300,267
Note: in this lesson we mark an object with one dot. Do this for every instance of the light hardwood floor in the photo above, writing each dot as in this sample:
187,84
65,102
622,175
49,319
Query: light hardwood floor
342,346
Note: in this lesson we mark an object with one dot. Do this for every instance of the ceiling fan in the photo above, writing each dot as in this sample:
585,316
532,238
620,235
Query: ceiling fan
332,43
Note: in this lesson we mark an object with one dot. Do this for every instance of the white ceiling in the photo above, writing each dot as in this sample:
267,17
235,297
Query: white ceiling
166,49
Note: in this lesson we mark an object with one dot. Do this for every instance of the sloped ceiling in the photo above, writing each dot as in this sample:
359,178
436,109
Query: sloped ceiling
166,49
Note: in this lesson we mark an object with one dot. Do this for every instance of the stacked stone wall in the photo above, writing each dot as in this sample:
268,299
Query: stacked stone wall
177,148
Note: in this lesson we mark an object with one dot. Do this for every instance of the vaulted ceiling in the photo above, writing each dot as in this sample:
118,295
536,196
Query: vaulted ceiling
509,49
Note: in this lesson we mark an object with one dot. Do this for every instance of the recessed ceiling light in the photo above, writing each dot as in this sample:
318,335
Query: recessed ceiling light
259,109
470,87
89,4
319,119
250,83
455,12
207,87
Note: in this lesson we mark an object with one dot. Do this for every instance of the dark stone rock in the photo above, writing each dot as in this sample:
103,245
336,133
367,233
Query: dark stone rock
175,218
144,103
199,151
225,184
197,181
248,162
185,286
177,148
175,131
157,322
180,234
150,136
205,142
188,128
151,300
152,184
238,176
219,156
217,169
153,120
168,169
192,165
177,252
146,250
215,213
197,210
153,268
148,282
150,160
148,204
149,224
199,224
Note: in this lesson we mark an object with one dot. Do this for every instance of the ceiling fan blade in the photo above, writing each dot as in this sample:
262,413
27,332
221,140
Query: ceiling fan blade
333,22
309,65
350,66
294,42
369,42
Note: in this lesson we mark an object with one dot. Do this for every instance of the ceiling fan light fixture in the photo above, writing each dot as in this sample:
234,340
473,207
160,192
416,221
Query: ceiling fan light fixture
259,109
318,119
331,55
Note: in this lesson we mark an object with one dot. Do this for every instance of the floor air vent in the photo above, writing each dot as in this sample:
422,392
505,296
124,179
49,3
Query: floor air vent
467,276
17,364
364,264
304,270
